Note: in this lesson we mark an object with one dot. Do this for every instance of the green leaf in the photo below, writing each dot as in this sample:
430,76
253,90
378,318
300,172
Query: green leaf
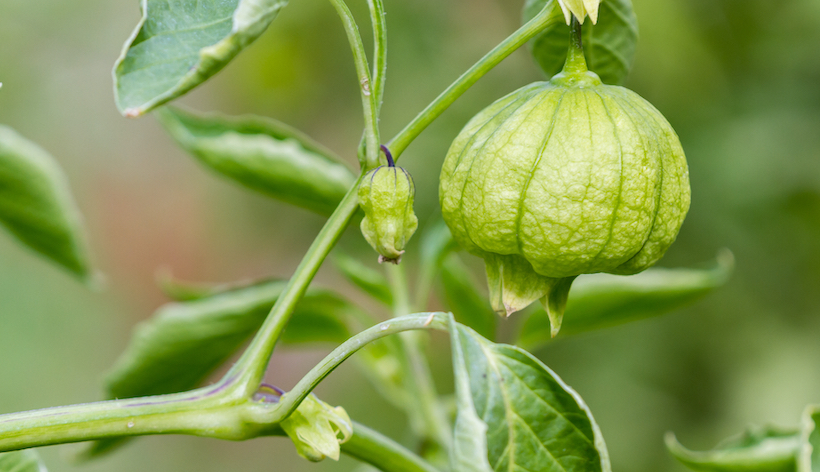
756,450
469,453
535,422
602,300
609,46
467,303
808,459
21,461
36,205
183,343
318,429
371,281
263,155
178,44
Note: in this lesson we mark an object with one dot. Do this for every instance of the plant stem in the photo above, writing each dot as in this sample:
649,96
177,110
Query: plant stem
576,62
379,50
250,369
202,413
369,99
419,377
215,411
291,400
410,132
382,452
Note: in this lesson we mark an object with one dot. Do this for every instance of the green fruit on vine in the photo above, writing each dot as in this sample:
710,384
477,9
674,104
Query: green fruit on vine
386,195
563,178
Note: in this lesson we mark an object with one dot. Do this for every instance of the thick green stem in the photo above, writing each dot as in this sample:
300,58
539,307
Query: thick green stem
410,132
369,99
205,412
250,369
382,452
216,411
576,62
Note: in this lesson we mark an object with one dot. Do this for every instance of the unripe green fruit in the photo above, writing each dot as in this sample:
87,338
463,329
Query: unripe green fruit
563,178
386,196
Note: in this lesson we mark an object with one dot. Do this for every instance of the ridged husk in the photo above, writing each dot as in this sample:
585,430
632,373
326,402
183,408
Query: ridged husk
563,178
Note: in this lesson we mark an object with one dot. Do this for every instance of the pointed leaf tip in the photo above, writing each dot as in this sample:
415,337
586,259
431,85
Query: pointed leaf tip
175,49
36,205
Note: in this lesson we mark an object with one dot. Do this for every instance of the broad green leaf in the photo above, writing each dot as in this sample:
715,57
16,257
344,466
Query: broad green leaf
318,429
467,303
469,452
184,291
183,343
808,459
263,155
371,281
756,450
178,44
602,300
21,461
36,205
535,422
609,45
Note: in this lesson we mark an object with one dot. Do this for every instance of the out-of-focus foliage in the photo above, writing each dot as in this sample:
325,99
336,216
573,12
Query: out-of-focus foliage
738,79
36,205
21,461
263,155
609,45
756,450
601,301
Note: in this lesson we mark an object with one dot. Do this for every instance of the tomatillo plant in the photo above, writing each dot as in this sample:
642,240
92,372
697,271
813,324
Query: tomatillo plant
556,180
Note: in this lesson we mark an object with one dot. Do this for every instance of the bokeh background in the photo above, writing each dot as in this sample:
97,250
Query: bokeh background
738,79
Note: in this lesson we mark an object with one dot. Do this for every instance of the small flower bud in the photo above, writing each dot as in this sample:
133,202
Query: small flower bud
386,196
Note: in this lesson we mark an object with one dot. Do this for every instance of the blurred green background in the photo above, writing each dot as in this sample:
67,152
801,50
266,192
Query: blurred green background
738,79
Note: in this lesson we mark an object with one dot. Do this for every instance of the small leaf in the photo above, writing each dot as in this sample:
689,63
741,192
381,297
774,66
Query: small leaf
808,459
183,343
27,460
263,155
469,452
602,300
609,45
318,429
467,303
535,421
178,44
36,205
756,450
371,281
